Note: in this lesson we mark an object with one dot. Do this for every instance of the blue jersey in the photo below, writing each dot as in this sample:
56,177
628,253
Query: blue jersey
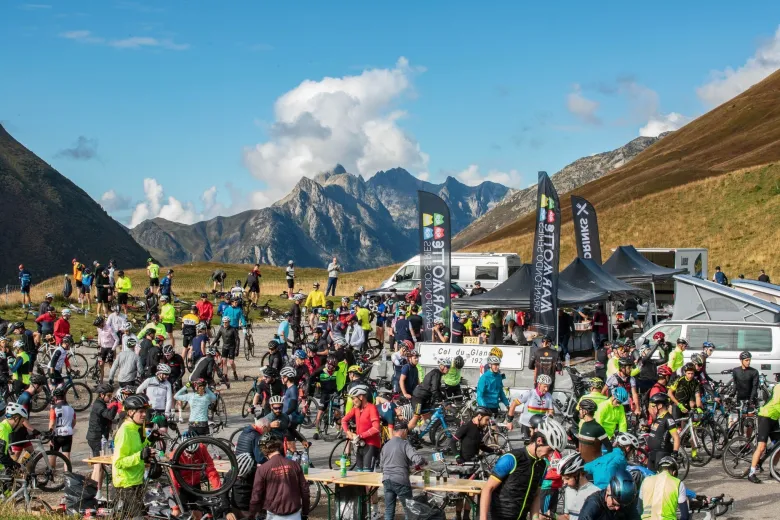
25,278
387,413
165,286
284,330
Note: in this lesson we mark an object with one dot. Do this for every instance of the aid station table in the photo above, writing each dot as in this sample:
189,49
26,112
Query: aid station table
373,480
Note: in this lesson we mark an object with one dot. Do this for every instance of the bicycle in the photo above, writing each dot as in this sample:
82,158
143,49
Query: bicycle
714,507
78,395
698,437
331,429
249,341
39,465
738,455
437,426
79,366
23,487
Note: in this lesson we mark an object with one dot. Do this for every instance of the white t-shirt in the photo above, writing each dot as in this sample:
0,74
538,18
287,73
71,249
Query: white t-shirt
573,500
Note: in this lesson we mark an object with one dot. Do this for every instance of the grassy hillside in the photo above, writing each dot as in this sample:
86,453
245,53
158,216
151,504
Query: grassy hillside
742,133
736,216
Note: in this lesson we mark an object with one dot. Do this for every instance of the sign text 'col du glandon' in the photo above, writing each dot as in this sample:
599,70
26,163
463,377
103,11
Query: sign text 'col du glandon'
434,260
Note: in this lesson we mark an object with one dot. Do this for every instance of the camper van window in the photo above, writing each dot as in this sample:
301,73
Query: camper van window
455,272
754,339
513,269
486,273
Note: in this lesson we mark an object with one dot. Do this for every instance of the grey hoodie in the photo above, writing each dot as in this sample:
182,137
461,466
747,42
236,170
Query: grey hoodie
395,459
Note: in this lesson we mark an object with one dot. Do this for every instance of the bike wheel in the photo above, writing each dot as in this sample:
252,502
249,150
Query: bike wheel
35,506
374,348
245,408
441,441
683,464
233,439
702,454
79,366
49,478
221,453
334,459
40,400
79,396
737,456
264,359
774,463
250,347
498,441
314,495
309,417
218,411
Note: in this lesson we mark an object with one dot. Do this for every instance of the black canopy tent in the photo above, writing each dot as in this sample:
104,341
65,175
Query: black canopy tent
628,264
587,275
515,293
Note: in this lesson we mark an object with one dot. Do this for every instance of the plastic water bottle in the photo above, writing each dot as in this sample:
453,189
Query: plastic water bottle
568,360
103,445
296,457
343,463
305,463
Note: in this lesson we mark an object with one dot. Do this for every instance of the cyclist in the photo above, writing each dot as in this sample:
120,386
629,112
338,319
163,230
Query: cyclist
280,488
20,370
355,377
200,400
206,366
519,473
61,326
676,359
545,360
295,312
685,393
62,420
152,303
705,381
168,317
205,310
189,328
101,418
745,379
595,394
662,494
197,455
367,429
314,302
275,357
108,340
290,408
578,487
617,501
410,376
441,333
768,416
660,386
490,387
648,367
229,337
537,402
176,364
326,377
388,410
248,443
15,418
429,391
268,387
278,422
623,379
160,396
664,439
198,344
218,278
237,292
592,437
131,451
59,359
611,414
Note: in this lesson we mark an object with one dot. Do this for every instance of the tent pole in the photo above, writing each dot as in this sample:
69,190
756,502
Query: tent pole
655,304
557,328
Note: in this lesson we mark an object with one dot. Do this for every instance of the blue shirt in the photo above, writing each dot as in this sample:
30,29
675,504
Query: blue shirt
720,277
490,390
25,278
165,286
236,315
284,330
290,401
380,310
605,467
412,377
197,346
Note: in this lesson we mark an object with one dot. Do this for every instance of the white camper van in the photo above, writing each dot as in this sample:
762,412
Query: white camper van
490,269
692,259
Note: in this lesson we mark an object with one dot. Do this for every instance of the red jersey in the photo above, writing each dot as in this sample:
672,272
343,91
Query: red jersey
205,310
367,423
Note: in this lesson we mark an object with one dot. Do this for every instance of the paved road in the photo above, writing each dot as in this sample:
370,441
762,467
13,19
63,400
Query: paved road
752,501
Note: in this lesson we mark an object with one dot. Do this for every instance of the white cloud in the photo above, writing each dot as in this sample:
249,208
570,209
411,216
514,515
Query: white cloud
729,82
113,202
133,42
351,120
153,206
471,176
661,123
582,107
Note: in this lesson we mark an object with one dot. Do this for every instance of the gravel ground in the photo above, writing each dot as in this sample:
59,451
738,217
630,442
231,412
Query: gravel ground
752,501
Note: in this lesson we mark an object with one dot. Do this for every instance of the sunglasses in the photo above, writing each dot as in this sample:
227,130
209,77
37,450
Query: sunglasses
276,408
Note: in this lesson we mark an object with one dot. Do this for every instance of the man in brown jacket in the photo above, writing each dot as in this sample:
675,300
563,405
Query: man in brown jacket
280,488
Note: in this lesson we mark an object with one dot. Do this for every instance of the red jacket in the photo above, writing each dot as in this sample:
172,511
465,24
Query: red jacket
61,329
205,310
193,477
367,422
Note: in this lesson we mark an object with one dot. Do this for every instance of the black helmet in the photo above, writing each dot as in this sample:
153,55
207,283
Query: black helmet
659,398
98,321
17,325
625,362
682,341
589,406
536,420
622,487
58,392
332,360
147,291
697,359
136,402
270,372
38,379
104,388
273,345
745,355
689,367
458,362
481,410
668,463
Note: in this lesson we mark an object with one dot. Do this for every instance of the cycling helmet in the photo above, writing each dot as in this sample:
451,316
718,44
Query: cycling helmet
622,487
311,347
495,351
198,382
697,359
159,339
355,369
547,338
277,399
192,447
682,341
445,362
668,463
300,354
626,439
554,433
409,344
271,372
664,371
332,360
67,338
288,372
637,476
458,362
571,464
688,367
358,390
200,326
340,342
299,297
65,312
708,344
127,326
742,355
596,383
438,321
163,298
103,388
536,420
18,344
273,345
659,336
13,409
659,398
162,368
38,379
225,319
412,353
167,349
245,464
493,360
481,410
98,321
147,291
543,379
131,342
625,362
620,394
58,392
589,406
211,350
136,402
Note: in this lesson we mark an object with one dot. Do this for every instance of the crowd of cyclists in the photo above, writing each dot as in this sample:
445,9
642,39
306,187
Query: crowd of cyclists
620,457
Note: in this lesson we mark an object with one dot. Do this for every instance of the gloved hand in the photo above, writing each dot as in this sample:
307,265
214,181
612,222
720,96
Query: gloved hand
35,433
146,454
682,408
111,382
699,410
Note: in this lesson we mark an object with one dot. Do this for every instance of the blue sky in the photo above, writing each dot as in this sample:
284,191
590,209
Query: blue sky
187,110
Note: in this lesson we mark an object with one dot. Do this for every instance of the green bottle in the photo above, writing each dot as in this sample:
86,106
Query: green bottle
343,465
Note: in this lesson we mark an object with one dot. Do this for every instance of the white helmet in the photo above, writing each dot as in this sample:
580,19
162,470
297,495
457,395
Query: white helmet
626,439
571,464
15,409
554,432
544,379
288,372
245,464
66,312
299,297
437,321
277,399
49,295
358,390
493,360
361,289
127,327
445,361
162,368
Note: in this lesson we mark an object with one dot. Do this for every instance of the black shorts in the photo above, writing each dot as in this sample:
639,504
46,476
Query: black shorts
168,327
55,377
421,405
101,296
229,352
325,398
765,427
25,289
121,298
63,444
84,289
107,355
291,283
188,340
79,284
154,282
254,288
366,458
95,447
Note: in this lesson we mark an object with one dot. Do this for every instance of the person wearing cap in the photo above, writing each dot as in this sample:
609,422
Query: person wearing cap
122,285
315,300
289,274
546,361
168,318
397,459
46,304
229,337
205,311
46,322
189,329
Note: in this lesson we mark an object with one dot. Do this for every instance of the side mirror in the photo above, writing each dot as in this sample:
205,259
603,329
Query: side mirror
397,278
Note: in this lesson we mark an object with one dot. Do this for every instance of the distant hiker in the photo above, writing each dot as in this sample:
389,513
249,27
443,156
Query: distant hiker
290,275
25,281
253,283
333,277
720,276
763,277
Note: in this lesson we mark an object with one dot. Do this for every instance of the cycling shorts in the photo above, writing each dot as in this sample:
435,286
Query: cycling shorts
254,288
188,340
290,283
765,427
325,398
25,289
121,298
94,446
229,352
421,405
62,443
154,282
168,327
366,458
55,377
107,355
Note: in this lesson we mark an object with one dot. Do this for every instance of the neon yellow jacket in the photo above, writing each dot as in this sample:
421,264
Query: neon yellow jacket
315,298
127,468
611,418
772,407
5,436
168,313
659,494
676,360
123,284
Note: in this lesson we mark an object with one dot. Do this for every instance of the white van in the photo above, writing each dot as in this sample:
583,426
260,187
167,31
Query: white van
490,269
